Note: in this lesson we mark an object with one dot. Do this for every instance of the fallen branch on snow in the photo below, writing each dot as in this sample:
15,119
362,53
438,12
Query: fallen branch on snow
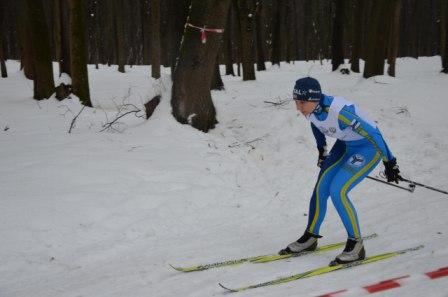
247,143
122,112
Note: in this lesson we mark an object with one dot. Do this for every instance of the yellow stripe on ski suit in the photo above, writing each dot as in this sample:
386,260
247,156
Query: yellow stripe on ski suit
316,213
347,185
353,178
361,132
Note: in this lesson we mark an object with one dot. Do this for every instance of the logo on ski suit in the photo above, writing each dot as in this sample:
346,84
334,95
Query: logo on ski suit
329,132
356,160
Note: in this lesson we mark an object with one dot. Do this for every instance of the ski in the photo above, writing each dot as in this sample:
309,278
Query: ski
323,270
264,258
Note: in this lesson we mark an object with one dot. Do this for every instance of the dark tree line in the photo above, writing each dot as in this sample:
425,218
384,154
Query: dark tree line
75,33
119,31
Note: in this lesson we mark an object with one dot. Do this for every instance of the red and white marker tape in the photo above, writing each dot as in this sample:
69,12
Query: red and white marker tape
390,283
204,31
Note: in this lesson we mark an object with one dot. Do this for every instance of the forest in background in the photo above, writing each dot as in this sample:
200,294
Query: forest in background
245,33
305,27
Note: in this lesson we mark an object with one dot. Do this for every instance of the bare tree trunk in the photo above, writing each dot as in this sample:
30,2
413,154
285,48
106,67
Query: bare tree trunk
25,46
261,39
131,17
337,45
78,51
228,48
394,36
43,68
358,12
156,53
445,52
191,99
443,6
118,9
247,22
278,31
180,10
3,70
307,36
290,26
65,38
108,33
320,28
62,44
57,30
237,36
217,83
96,35
166,33
12,48
299,30
415,28
377,39
26,53
146,30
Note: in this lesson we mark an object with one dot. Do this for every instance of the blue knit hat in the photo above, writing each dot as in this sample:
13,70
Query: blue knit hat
307,89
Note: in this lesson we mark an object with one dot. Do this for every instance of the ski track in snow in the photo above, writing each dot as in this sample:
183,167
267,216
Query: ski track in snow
102,214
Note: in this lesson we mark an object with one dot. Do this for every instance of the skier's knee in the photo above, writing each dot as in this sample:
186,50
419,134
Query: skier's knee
335,193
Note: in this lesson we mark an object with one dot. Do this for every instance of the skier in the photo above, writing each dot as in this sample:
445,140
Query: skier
356,152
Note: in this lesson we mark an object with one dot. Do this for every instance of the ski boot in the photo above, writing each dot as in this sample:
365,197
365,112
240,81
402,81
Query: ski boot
353,251
308,242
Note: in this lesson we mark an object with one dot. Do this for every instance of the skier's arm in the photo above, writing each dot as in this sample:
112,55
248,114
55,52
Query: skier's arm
348,118
320,138
321,144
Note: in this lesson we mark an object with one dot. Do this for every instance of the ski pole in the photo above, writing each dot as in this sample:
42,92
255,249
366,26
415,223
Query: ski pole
411,187
422,185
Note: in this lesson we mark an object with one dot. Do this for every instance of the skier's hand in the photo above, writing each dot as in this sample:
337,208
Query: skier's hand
322,156
391,171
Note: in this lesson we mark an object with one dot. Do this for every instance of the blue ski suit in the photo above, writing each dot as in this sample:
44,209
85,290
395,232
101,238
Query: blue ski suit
358,149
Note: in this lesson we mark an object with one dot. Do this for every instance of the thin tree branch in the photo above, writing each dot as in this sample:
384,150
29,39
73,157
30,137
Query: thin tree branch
72,125
135,111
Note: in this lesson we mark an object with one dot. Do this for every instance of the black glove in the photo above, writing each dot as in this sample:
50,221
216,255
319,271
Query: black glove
391,171
322,156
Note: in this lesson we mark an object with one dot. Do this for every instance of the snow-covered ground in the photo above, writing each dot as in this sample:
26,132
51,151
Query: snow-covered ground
103,213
